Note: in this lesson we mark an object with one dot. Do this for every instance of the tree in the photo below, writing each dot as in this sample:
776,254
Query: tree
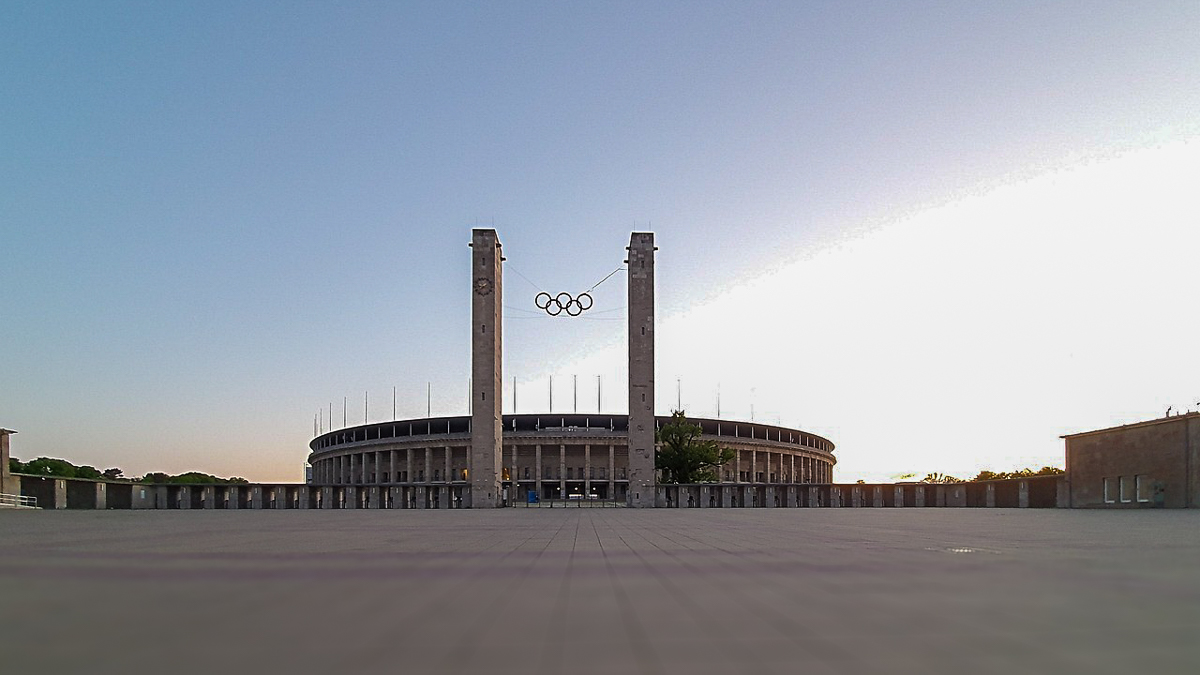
89,472
113,473
683,457
1019,473
940,478
48,466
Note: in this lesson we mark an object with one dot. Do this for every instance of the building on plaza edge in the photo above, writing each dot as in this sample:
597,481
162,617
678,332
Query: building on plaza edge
425,463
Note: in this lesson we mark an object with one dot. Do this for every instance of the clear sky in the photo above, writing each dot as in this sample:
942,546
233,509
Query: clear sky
940,234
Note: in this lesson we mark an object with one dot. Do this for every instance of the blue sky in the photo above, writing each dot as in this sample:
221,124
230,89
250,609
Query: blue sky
218,218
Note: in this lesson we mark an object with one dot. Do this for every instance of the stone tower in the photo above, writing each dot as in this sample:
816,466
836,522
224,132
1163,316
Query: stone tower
640,264
486,419
8,484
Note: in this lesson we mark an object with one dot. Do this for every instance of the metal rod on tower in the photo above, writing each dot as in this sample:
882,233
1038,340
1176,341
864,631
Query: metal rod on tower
598,399
718,400
364,407
393,403
575,393
428,405
344,400
678,394
514,395
551,393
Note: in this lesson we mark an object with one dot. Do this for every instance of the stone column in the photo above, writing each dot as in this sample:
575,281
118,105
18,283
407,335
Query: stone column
562,471
428,471
486,418
640,276
612,472
448,467
8,483
587,470
513,478
408,462
537,468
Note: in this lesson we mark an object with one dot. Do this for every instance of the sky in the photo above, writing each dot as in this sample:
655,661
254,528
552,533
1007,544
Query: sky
939,234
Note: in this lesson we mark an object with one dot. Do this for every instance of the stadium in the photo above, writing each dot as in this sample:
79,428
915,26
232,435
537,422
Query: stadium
425,463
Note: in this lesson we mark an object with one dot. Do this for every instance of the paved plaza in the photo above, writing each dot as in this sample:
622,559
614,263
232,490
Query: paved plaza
607,591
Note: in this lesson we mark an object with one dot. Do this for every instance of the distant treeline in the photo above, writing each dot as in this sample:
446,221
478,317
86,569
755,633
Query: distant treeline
994,475
61,468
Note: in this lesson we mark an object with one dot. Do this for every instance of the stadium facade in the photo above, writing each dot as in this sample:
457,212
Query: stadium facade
427,463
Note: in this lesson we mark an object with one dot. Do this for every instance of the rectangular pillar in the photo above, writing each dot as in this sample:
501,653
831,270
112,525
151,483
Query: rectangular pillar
640,306
612,472
537,465
486,419
587,471
562,471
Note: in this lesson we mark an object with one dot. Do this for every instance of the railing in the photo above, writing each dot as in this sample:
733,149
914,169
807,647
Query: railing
18,501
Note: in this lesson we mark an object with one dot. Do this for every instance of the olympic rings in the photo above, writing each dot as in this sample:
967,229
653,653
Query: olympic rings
563,302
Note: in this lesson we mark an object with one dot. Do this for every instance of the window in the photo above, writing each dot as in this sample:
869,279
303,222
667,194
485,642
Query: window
1144,488
570,472
602,470
546,473
437,474
1126,489
1109,496
526,473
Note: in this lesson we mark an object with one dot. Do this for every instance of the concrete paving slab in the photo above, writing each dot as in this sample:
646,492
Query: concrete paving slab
601,591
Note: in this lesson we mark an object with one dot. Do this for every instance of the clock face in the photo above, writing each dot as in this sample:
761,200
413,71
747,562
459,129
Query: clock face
483,286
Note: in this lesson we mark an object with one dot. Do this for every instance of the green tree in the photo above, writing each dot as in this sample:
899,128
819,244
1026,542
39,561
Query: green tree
89,472
683,457
1019,473
48,466
15,465
941,478
113,473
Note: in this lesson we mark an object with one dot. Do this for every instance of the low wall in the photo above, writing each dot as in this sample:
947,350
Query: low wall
63,493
